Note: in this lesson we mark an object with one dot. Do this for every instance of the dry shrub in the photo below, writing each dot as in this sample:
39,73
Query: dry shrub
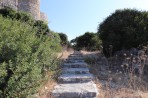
116,83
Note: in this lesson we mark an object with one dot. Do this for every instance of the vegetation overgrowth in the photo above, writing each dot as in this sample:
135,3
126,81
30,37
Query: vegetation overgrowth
124,29
27,54
123,80
88,41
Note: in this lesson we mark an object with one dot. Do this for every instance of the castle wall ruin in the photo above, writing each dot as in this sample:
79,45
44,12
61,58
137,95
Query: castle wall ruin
30,6
43,17
9,3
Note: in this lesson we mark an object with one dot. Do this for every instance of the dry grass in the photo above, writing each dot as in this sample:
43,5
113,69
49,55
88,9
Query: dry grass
45,90
64,55
114,84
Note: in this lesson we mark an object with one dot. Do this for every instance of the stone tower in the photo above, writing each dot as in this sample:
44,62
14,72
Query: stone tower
31,6
43,17
9,3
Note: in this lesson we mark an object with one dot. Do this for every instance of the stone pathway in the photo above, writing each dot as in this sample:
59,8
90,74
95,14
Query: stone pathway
75,80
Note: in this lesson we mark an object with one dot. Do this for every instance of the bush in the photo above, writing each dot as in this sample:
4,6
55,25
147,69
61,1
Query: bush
64,39
42,27
88,41
21,16
26,18
24,58
124,29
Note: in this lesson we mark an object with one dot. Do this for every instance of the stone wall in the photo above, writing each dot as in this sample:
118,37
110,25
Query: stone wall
31,6
9,3
43,17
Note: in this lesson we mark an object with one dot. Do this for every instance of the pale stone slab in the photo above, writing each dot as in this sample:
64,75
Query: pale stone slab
75,71
75,65
74,61
75,58
81,56
75,90
75,78
78,55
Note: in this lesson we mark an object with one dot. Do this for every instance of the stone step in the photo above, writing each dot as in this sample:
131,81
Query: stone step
74,61
75,78
76,58
76,55
75,65
76,71
75,90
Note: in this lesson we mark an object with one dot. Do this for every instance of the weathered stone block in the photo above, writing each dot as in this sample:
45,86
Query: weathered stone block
75,78
75,65
75,90
74,61
75,71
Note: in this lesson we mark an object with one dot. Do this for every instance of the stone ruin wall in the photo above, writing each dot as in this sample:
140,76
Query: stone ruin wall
43,17
9,3
31,6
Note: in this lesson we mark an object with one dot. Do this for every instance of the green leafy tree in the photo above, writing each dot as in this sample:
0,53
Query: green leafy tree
124,29
64,39
42,27
89,41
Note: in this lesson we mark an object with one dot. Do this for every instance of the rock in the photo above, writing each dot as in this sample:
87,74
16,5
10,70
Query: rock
75,90
75,71
75,65
75,78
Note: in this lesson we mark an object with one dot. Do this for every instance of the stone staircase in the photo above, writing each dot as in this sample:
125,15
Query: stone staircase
75,80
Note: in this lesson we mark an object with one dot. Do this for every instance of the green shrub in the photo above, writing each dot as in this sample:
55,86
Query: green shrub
42,27
24,58
88,41
15,15
124,29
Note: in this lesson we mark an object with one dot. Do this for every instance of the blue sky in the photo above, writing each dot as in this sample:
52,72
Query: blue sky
75,17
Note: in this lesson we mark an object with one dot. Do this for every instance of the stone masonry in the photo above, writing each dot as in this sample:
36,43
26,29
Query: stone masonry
75,80
30,6
43,17
9,3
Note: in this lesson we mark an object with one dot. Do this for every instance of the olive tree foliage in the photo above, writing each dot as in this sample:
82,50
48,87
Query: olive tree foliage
88,41
124,29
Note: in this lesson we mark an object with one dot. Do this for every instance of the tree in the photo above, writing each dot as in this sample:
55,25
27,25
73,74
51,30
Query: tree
124,29
89,41
42,27
64,39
